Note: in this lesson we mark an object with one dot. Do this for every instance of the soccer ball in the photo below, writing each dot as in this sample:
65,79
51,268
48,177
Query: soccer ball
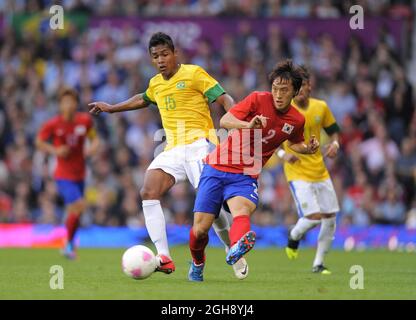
138,262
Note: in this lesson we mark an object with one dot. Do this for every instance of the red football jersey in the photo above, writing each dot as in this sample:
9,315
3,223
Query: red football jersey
247,150
72,134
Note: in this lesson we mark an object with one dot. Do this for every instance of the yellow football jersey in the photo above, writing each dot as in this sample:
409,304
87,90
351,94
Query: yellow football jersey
183,104
311,167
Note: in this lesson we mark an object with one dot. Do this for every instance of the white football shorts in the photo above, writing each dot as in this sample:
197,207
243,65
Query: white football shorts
314,197
184,162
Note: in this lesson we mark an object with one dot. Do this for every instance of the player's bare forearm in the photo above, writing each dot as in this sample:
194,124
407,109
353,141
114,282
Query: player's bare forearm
334,137
93,147
229,121
333,147
45,146
61,151
226,101
286,156
302,147
134,103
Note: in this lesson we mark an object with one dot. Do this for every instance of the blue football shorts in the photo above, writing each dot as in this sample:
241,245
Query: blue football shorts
70,191
216,187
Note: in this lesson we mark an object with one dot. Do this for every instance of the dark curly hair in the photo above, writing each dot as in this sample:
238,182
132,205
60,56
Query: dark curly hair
289,71
160,38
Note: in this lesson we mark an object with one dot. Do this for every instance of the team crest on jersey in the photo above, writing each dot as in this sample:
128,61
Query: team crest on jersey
287,128
80,130
317,119
180,85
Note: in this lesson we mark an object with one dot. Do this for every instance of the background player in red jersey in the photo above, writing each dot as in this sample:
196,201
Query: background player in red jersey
64,136
229,177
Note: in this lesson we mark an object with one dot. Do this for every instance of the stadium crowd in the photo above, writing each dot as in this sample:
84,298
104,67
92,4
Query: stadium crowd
367,89
186,8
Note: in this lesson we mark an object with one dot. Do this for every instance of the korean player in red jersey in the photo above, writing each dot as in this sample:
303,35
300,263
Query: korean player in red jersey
64,136
261,122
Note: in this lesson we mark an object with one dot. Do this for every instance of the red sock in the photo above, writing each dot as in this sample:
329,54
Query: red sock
197,247
240,226
71,223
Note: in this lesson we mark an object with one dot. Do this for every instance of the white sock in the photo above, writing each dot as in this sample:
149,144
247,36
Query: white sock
326,235
222,227
302,226
156,225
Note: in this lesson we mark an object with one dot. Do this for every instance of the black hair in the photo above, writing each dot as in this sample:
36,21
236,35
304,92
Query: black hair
160,38
306,76
68,92
289,71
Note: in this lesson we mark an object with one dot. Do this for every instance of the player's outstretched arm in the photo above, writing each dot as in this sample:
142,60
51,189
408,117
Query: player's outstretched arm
229,121
134,103
311,147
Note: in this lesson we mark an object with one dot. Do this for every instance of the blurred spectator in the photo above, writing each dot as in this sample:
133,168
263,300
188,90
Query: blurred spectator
326,9
377,151
411,217
302,47
400,106
358,202
391,210
296,8
206,7
341,101
113,91
406,168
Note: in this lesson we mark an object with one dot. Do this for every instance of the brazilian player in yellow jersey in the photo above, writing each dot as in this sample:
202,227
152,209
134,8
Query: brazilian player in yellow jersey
182,94
308,177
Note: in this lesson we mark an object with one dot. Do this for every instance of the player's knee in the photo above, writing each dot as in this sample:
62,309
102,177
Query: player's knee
149,194
328,215
314,216
77,207
200,232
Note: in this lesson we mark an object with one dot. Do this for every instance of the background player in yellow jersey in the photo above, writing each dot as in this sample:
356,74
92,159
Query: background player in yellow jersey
308,177
182,93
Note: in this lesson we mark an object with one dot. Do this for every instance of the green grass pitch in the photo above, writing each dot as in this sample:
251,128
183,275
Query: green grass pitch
24,274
